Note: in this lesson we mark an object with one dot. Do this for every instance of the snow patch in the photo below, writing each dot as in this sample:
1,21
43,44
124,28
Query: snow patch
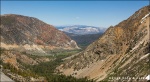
77,29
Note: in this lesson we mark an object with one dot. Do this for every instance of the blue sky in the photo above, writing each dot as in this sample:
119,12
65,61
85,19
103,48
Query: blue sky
94,13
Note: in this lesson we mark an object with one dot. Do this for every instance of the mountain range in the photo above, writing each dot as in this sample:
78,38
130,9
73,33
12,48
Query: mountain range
81,29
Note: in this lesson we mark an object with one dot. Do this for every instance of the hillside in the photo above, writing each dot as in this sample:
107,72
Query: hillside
24,67
122,51
28,33
27,43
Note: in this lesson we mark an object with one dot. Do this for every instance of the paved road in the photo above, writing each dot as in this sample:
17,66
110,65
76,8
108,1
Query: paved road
5,78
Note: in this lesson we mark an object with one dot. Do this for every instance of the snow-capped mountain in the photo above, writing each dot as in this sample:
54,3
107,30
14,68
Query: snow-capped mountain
81,29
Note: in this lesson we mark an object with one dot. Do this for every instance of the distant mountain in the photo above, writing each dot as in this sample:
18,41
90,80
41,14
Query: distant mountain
81,29
82,34
30,33
122,51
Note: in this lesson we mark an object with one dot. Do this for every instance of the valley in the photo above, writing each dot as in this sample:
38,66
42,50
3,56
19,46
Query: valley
82,34
38,68
31,50
84,40
35,51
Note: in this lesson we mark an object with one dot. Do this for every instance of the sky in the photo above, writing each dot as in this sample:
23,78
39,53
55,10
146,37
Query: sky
57,13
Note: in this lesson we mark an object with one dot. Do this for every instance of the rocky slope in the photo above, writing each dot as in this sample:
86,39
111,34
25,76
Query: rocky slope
22,39
30,33
13,64
122,51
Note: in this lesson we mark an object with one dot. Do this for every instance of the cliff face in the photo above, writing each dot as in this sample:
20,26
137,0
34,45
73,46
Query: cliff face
121,51
31,33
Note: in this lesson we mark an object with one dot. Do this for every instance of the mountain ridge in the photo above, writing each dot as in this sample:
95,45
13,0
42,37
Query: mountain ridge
81,29
30,32
112,53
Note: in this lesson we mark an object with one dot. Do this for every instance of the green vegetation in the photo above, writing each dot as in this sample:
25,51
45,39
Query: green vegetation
83,46
47,69
84,40
1,50
23,73
34,55
44,69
